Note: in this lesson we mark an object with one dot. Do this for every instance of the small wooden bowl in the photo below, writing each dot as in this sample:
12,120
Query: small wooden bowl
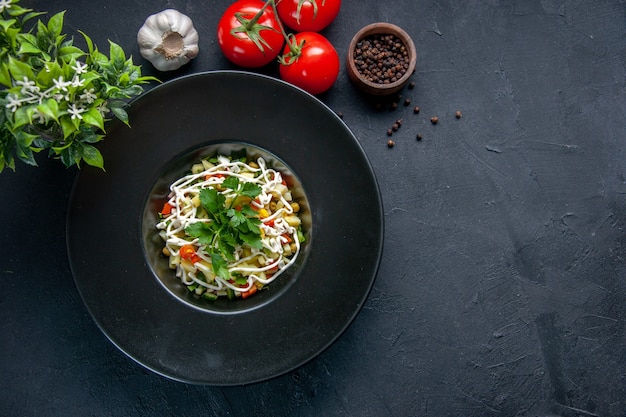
374,88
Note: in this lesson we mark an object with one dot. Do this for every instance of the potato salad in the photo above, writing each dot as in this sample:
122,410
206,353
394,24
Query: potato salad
230,227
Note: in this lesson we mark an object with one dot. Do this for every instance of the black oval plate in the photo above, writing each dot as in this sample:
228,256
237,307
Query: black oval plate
158,330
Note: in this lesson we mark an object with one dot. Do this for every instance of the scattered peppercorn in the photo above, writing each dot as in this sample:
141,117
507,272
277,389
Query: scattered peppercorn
389,132
381,58
390,143
340,114
458,114
395,127
434,120
418,136
399,122
394,105
407,101
411,85
416,109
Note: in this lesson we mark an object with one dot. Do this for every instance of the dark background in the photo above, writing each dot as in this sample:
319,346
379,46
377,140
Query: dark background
501,288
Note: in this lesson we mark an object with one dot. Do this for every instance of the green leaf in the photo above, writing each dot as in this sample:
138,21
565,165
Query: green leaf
42,31
252,239
91,137
12,36
92,156
67,53
6,24
116,53
28,48
219,265
227,243
21,117
20,70
236,217
55,24
248,211
49,108
23,150
212,201
202,231
67,157
88,77
250,190
15,10
5,77
124,78
231,182
27,37
68,127
54,70
94,118
253,225
31,15
121,114
88,41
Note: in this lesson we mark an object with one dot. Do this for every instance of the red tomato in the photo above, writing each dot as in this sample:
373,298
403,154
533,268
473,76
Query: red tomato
308,15
248,42
167,209
187,252
313,66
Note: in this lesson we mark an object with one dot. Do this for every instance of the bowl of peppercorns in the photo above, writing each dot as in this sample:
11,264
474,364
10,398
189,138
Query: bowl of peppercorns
381,58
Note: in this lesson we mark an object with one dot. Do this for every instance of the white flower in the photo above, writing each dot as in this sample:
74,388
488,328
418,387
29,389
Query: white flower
77,81
4,5
79,67
88,96
28,86
61,84
103,109
75,111
13,103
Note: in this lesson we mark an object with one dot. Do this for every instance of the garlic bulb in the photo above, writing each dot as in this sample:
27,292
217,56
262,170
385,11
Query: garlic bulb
168,40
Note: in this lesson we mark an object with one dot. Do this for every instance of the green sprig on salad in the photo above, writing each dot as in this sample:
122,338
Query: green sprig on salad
230,226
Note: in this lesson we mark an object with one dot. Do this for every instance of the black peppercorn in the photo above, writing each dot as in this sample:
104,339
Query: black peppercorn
381,59
458,114
390,143
434,120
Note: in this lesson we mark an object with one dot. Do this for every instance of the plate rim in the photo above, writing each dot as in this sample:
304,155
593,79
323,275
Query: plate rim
371,274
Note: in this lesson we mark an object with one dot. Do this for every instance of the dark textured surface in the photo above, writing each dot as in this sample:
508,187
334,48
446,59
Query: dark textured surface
501,289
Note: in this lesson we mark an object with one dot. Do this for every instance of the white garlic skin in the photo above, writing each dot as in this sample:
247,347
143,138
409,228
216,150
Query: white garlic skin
163,26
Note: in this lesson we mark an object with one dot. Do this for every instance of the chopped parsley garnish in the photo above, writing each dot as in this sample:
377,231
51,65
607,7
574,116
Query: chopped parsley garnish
229,226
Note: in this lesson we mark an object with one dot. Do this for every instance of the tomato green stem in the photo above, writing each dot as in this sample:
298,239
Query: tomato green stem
257,16
294,48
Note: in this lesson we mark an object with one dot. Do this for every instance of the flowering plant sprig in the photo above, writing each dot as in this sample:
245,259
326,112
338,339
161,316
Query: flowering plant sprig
55,97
